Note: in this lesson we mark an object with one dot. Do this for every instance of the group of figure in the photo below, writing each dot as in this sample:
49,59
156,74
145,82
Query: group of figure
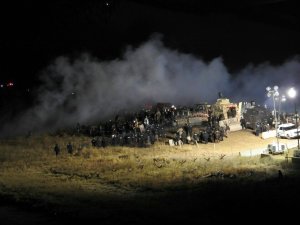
99,141
261,127
57,149
138,132
214,134
144,128
137,122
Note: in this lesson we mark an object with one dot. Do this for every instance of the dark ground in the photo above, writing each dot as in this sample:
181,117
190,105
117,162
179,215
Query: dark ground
216,201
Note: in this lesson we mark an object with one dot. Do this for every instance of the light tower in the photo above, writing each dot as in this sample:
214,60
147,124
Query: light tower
274,94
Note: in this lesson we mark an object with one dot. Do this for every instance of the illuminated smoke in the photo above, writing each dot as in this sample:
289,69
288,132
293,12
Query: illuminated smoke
87,90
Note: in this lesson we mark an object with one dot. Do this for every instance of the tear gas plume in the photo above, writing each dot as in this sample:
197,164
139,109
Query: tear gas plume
86,90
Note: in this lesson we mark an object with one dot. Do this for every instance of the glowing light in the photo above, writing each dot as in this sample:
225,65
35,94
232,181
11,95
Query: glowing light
10,84
292,93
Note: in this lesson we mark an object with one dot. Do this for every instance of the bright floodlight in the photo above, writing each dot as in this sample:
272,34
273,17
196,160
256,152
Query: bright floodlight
276,88
292,93
268,89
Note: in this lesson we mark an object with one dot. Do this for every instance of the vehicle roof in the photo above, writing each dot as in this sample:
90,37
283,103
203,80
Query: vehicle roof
286,125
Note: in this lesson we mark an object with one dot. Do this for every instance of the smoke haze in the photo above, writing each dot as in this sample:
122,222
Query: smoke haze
86,89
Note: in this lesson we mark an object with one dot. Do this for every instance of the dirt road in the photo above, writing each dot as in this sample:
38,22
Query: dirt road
236,142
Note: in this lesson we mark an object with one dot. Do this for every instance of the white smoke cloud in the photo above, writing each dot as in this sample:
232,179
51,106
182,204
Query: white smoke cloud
251,82
149,73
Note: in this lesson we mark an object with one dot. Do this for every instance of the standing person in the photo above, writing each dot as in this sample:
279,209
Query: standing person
205,136
257,129
94,142
103,142
158,116
56,149
146,122
243,123
227,129
180,132
78,128
70,148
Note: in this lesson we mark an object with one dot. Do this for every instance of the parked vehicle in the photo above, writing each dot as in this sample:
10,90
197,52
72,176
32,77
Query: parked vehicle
288,130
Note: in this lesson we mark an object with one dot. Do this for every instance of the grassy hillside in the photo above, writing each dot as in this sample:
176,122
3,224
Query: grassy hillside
122,184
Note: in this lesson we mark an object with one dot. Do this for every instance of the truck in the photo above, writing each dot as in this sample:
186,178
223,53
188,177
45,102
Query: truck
256,115
223,110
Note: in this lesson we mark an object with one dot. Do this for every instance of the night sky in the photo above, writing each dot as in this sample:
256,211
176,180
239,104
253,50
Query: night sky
132,52
34,33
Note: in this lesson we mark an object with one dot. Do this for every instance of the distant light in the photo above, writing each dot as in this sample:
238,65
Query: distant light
107,3
292,93
1,85
10,84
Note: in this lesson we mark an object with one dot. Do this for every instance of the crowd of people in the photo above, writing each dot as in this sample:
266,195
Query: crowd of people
144,128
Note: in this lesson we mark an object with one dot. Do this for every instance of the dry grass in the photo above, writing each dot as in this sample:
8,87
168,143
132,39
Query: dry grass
30,171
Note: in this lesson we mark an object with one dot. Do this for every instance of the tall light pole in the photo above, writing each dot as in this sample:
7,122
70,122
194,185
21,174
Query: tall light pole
280,99
274,93
292,94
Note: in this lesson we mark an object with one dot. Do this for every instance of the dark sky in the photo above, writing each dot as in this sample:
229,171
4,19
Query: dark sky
34,33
